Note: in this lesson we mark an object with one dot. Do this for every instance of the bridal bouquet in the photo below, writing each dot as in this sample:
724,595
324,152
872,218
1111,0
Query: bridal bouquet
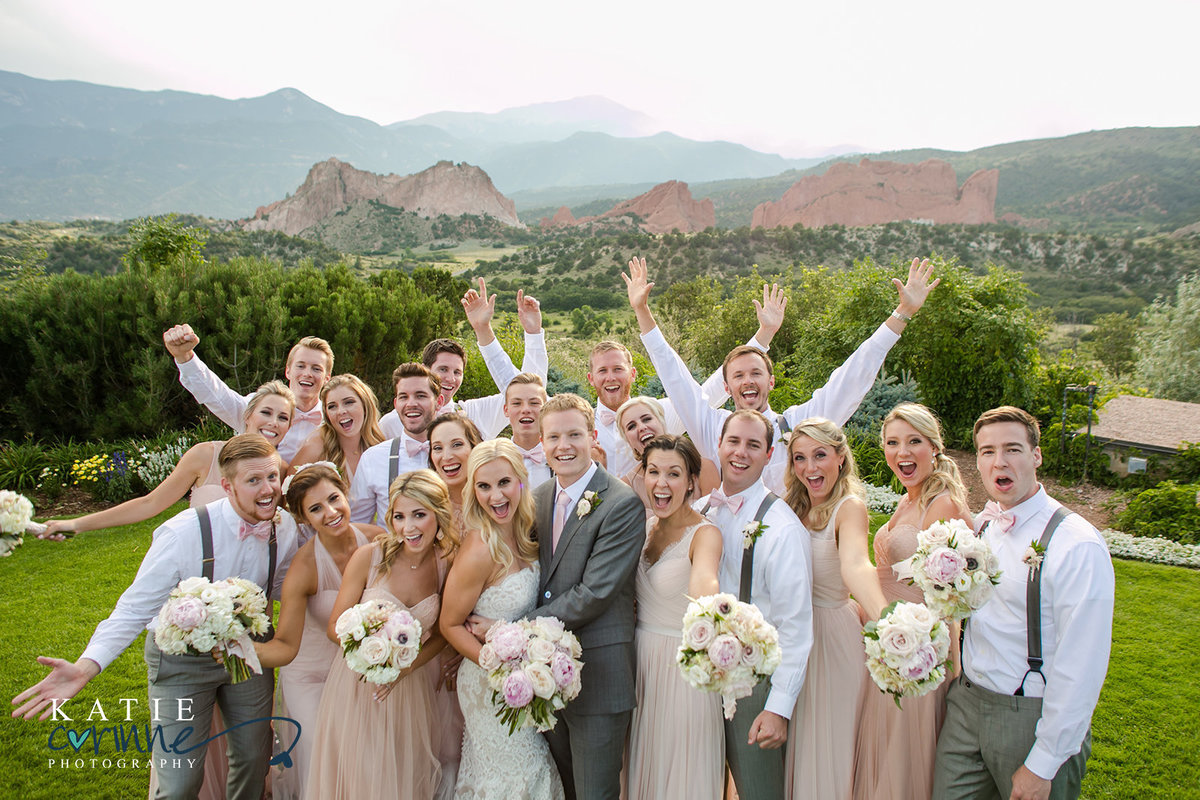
15,513
954,568
200,617
533,669
727,648
908,650
379,639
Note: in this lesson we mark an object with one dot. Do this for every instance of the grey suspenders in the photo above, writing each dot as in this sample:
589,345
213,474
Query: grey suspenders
394,461
1033,606
782,423
747,580
206,550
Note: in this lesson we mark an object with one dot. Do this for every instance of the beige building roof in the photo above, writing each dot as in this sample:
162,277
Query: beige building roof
1148,422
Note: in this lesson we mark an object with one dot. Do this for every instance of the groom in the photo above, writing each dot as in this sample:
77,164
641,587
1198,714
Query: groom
590,530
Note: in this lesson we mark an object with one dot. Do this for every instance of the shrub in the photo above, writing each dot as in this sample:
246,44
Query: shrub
1185,467
21,466
1170,511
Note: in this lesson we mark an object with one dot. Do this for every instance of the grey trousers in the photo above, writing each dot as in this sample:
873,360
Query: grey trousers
180,744
986,737
757,773
588,749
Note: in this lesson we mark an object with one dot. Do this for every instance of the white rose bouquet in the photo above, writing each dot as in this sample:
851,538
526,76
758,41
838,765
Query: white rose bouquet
15,514
202,616
954,568
533,669
908,650
379,639
727,648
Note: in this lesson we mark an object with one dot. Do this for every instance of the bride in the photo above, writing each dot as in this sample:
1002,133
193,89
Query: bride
495,575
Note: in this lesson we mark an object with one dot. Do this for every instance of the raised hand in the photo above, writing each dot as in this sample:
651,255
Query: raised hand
180,341
917,289
479,307
637,284
770,312
529,312
64,682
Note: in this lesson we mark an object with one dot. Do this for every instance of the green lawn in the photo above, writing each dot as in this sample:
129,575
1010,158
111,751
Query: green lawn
52,595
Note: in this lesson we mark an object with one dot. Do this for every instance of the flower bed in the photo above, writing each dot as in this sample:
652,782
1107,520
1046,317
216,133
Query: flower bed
1154,550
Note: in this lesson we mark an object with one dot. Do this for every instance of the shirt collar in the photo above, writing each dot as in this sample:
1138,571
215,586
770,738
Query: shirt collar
1027,510
575,490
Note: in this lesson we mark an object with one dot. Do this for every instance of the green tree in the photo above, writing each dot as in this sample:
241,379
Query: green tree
158,241
1169,344
1112,342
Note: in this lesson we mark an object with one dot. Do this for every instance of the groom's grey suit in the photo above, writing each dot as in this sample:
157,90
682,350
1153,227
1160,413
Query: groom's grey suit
588,583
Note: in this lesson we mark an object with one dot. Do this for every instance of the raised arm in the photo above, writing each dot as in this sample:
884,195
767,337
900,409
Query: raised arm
855,566
706,561
298,586
209,390
189,472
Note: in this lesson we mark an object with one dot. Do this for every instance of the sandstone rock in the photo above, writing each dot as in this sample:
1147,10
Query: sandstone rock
667,207
875,192
332,185
563,218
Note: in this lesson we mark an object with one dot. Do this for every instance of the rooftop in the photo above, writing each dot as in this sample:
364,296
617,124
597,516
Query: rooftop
1148,422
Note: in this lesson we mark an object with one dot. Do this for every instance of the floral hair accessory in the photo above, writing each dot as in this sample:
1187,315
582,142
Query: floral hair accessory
287,482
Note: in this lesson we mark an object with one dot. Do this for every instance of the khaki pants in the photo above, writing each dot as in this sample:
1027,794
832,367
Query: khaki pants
986,737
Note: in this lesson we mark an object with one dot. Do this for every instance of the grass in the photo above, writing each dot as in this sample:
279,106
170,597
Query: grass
52,595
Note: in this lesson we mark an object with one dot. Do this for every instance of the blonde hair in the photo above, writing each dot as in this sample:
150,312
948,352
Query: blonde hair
945,477
526,379
568,402
306,479
475,517
425,488
275,387
240,448
313,343
607,346
371,433
847,483
641,400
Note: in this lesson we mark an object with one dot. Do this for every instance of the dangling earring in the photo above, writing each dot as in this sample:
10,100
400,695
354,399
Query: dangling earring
440,534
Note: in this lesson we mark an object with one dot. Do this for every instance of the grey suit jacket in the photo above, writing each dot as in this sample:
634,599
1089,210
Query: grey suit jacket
588,583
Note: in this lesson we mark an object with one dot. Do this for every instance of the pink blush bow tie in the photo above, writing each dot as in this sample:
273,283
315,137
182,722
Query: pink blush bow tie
314,415
1001,521
415,448
536,455
605,415
718,499
259,530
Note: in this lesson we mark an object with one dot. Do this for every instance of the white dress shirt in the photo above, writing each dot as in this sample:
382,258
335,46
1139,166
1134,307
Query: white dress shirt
175,554
782,584
488,412
535,465
1077,610
230,407
369,488
575,490
837,400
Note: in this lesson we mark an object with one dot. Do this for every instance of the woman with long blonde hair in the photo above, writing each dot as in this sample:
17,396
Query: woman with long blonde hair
824,490
897,744
495,577
351,425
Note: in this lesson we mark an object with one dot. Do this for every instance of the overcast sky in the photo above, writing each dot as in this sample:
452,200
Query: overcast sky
794,77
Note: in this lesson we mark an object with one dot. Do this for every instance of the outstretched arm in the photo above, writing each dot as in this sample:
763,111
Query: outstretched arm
195,376
65,681
299,584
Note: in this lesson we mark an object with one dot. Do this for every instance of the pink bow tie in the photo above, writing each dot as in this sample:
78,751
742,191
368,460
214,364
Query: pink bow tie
718,499
260,530
415,448
536,455
313,416
606,415
1001,521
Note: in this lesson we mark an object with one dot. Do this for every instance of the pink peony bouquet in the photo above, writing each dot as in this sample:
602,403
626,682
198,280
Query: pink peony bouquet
727,648
533,669
908,650
202,616
954,568
379,639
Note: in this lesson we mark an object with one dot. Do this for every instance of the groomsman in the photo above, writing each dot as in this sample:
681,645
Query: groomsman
747,371
309,365
523,401
1018,719
590,528
774,572
447,359
611,374
233,537
418,395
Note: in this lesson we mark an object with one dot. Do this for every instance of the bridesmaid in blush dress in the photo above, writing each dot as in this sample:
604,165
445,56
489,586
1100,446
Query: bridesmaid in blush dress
897,745
378,741
824,490
316,496
640,419
677,744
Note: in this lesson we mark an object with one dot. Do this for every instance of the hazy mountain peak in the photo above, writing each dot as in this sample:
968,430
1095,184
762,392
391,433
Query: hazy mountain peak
549,121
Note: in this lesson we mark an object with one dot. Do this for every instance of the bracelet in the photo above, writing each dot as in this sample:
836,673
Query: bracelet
900,315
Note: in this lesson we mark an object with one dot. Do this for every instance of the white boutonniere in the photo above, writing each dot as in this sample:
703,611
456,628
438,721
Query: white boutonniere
1034,555
587,504
751,532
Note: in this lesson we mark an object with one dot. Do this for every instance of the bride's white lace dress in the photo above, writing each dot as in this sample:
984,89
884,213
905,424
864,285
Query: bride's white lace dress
494,764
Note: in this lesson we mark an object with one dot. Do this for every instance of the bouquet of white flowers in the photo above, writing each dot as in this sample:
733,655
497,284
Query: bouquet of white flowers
379,639
533,669
954,568
908,650
15,513
202,616
727,648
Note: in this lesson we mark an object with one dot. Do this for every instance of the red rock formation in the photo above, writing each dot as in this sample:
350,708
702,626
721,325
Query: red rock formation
875,192
332,185
667,207
563,218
